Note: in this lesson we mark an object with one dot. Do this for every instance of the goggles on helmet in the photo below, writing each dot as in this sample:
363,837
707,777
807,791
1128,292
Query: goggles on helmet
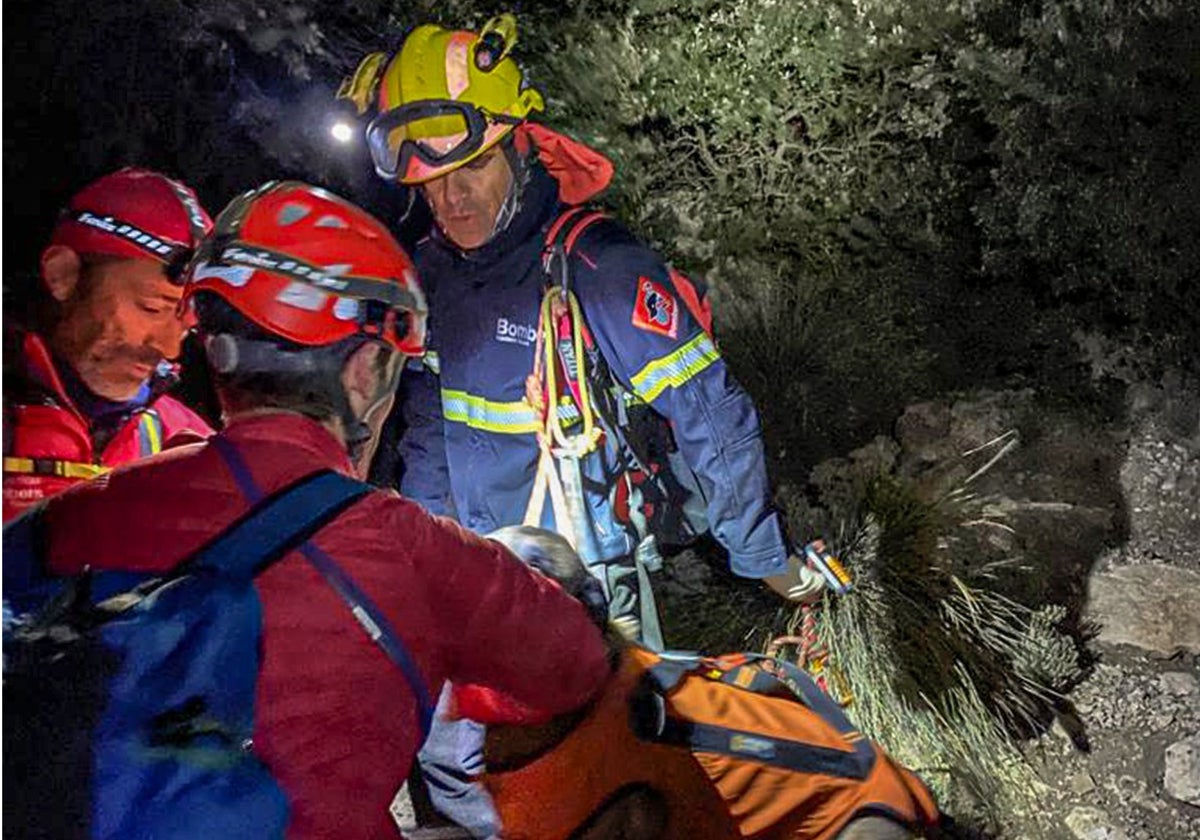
436,132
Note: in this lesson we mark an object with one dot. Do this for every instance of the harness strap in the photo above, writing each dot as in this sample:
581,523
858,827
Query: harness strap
561,222
751,672
53,467
546,483
655,723
769,749
150,441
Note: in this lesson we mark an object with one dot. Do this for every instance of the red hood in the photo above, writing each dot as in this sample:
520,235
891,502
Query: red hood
582,172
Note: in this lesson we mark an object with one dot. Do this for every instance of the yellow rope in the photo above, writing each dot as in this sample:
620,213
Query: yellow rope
588,439
554,444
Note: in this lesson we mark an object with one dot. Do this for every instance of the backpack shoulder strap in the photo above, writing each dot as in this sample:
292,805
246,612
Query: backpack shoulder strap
562,236
277,524
324,495
560,240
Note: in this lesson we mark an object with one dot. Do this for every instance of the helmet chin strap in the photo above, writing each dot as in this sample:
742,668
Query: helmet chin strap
358,429
519,165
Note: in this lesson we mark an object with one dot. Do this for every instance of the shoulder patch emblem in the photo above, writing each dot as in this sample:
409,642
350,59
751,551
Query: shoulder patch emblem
655,309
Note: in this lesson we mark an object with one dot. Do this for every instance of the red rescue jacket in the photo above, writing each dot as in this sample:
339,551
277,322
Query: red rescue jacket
48,443
336,721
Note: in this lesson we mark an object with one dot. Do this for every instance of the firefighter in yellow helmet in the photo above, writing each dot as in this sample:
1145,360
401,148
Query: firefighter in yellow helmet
573,382
446,100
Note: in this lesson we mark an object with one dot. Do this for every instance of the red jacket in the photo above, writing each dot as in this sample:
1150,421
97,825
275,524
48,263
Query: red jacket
48,443
337,722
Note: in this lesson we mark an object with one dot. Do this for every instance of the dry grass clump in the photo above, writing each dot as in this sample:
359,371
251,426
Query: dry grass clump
945,670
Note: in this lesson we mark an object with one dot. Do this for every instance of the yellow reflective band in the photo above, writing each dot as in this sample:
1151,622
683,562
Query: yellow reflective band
514,418
150,429
50,466
676,368
431,361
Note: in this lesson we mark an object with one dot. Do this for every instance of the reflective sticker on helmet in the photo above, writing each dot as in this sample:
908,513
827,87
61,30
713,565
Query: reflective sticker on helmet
331,221
235,275
109,224
281,263
303,296
197,219
458,71
345,309
655,309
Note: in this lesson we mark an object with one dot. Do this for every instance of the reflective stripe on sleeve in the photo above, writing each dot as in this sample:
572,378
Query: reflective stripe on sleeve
675,368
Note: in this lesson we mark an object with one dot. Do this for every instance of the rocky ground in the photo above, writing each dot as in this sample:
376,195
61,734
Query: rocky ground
1140,777
1105,504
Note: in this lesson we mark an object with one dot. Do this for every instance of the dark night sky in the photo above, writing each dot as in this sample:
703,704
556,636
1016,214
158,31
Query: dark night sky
90,87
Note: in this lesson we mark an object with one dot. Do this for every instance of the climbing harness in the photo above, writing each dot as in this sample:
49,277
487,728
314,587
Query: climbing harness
561,342
581,406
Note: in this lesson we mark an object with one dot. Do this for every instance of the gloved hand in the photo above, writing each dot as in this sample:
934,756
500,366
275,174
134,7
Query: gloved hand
801,583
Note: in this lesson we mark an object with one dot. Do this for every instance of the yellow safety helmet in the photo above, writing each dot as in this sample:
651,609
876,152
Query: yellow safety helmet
447,97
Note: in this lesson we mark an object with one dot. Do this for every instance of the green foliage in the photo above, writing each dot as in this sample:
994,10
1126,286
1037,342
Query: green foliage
932,586
945,670
894,198
956,745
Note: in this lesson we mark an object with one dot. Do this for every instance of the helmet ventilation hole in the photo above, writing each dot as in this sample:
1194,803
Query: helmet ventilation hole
330,221
291,213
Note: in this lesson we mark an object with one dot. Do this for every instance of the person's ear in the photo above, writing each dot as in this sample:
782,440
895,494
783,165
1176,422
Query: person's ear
360,377
370,383
368,378
61,270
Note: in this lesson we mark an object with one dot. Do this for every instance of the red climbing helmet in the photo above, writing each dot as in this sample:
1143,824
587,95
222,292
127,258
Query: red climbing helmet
137,214
311,267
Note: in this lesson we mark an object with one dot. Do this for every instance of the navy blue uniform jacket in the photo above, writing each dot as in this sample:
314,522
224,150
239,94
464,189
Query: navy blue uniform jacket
470,447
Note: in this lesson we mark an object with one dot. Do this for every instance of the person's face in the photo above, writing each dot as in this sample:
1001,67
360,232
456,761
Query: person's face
466,201
118,321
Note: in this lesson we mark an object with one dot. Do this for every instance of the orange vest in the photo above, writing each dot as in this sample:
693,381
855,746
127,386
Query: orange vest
709,794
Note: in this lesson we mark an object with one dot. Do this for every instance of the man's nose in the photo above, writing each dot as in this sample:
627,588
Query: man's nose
456,188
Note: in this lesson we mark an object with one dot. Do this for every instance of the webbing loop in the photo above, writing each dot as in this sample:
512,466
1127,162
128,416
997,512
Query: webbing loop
53,466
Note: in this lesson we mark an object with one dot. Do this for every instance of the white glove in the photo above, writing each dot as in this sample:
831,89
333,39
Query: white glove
800,583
